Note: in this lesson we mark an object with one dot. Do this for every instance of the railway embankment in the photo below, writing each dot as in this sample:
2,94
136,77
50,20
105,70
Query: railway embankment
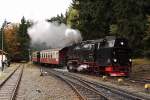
7,71
36,87
141,69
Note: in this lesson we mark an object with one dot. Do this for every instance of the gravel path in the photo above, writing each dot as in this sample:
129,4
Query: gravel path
36,87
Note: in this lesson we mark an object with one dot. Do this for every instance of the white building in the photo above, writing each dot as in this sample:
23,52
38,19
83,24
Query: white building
4,57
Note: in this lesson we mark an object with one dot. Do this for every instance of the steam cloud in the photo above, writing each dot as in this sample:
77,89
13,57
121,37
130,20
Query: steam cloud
52,35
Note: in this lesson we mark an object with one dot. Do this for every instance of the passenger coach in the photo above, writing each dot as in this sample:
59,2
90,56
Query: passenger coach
50,56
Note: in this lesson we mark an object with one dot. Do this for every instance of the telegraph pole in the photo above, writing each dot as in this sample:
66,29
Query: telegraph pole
2,30
3,43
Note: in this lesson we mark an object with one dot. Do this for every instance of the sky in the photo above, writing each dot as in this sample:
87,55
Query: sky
13,10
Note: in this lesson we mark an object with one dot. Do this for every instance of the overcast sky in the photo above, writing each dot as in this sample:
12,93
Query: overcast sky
13,10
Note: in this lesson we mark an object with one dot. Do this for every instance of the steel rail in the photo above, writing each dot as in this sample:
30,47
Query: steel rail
17,85
78,93
1,84
79,88
142,81
118,92
112,89
9,87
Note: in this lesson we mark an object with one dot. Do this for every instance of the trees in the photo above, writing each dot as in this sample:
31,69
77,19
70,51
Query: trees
23,38
92,18
125,18
10,39
131,21
59,19
16,39
72,17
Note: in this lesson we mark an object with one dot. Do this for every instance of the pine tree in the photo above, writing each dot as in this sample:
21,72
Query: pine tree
93,17
59,19
131,21
23,38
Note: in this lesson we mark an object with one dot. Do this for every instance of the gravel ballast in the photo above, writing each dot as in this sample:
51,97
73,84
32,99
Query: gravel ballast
36,87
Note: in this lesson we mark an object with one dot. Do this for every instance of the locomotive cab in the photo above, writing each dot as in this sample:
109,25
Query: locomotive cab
114,56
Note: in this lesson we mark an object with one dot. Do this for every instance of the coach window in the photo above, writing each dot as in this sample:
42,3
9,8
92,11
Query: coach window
54,54
47,54
57,54
51,55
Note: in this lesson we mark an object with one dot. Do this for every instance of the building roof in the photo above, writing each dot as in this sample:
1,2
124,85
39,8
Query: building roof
3,52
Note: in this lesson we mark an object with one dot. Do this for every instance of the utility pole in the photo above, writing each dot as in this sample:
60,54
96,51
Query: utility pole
2,30
29,54
3,43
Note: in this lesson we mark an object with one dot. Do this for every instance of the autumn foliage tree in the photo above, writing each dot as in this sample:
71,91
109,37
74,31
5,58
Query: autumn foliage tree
11,43
16,40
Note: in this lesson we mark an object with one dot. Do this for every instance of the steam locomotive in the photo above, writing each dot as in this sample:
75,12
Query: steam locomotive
110,55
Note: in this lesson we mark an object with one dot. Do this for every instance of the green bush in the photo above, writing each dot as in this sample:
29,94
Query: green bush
137,53
147,54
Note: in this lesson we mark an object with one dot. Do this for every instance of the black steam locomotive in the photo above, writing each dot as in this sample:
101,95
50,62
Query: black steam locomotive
109,55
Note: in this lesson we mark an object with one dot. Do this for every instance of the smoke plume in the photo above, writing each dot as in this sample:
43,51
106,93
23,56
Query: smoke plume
52,35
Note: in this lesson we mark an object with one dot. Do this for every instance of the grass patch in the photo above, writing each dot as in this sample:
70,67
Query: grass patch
141,61
2,75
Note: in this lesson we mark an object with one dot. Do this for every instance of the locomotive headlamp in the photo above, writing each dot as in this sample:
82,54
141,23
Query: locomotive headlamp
115,60
130,60
122,43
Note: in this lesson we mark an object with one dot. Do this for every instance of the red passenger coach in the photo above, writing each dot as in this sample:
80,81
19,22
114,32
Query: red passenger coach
35,58
51,56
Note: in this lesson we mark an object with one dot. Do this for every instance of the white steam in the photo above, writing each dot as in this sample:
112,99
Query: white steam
53,35
82,67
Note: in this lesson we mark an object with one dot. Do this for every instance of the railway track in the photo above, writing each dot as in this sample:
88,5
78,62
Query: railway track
100,91
142,81
9,86
83,90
